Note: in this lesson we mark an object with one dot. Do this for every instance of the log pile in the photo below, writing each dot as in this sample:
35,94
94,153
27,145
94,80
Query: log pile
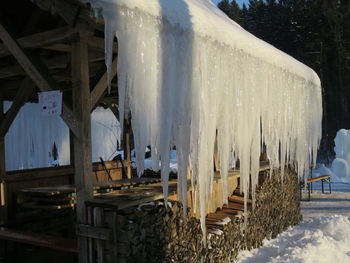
153,233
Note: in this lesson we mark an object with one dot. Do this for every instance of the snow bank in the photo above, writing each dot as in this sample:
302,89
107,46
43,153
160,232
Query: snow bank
341,164
31,137
324,239
187,72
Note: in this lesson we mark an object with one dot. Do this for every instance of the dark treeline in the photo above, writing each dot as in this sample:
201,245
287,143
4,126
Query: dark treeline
316,32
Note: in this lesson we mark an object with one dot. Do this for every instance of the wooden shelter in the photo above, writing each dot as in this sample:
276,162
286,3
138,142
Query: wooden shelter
55,45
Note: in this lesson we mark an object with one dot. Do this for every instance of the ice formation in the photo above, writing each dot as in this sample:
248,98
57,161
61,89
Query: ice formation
31,137
188,74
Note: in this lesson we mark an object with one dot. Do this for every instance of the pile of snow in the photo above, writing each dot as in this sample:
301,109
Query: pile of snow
340,167
341,164
187,73
323,239
31,137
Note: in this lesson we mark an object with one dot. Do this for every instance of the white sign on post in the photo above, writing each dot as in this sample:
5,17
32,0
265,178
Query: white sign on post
50,102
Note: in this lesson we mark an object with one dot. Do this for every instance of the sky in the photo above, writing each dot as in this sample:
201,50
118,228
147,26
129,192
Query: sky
240,2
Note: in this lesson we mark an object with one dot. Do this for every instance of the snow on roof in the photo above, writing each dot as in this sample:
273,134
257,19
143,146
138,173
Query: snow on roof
205,19
187,75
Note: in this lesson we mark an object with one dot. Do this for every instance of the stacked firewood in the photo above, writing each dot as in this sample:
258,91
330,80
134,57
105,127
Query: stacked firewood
155,233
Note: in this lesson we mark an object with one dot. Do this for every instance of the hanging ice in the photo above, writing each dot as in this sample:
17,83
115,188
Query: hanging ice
30,140
187,72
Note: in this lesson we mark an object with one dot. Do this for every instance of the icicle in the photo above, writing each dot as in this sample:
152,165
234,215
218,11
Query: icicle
183,78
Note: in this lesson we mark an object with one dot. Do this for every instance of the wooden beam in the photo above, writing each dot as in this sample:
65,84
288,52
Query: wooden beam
38,72
99,43
46,38
23,93
3,201
127,146
94,232
82,140
59,62
101,86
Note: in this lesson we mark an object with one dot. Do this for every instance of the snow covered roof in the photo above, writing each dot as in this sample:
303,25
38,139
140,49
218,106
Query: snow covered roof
188,74
205,20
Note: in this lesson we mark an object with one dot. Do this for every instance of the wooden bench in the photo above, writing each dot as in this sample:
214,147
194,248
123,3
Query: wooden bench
322,178
39,240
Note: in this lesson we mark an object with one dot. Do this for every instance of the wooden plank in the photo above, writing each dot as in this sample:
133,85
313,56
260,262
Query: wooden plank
47,207
239,199
37,40
94,232
23,93
82,140
37,71
101,86
53,242
315,179
99,215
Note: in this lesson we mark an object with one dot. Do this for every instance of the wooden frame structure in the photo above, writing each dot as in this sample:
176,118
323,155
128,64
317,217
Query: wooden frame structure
56,45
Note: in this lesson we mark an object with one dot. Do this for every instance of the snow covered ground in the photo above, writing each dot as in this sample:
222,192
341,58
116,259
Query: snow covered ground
323,235
324,239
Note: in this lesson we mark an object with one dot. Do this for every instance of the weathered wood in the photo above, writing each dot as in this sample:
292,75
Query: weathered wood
55,63
47,38
315,179
127,146
82,140
94,232
57,243
37,71
99,43
23,93
101,86
99,243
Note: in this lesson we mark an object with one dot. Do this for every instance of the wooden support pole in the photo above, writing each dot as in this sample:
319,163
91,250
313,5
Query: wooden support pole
127,146
3,201
82,141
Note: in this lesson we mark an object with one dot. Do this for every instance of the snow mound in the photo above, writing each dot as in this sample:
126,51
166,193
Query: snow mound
341,164
323,239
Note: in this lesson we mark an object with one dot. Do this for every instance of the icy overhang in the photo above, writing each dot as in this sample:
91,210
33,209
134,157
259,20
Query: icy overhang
189,76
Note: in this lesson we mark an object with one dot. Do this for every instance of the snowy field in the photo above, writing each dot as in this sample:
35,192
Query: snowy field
323,235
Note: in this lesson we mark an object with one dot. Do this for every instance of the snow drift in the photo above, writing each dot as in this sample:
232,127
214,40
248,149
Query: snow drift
321,240
187,73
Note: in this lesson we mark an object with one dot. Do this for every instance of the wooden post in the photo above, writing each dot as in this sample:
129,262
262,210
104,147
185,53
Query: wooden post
82,142
126,146
3,202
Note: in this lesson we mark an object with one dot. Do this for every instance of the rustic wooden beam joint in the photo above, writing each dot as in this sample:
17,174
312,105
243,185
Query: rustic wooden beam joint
100,88
38,72
23,93
43,39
